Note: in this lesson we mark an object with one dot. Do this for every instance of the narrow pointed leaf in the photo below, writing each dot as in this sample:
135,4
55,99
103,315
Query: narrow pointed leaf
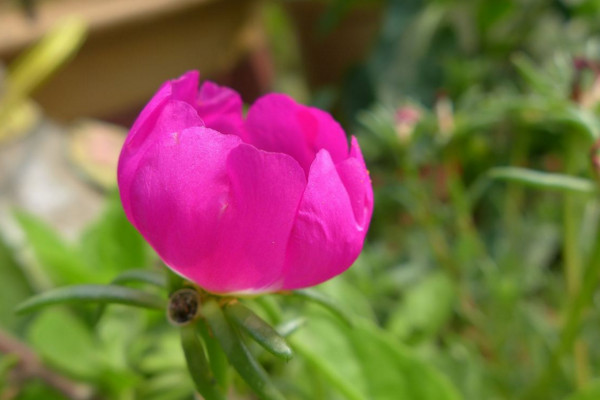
544,180
198,364
93,294
534,179
216,357
237,353
326,302
259,330
154,278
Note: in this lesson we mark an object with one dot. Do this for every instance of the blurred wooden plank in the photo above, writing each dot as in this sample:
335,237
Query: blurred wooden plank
18,31
126,58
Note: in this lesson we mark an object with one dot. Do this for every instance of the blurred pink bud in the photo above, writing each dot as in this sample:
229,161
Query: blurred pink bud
406,118
273,202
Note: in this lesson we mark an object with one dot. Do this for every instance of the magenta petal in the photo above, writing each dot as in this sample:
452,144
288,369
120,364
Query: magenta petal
265,191
357,182
277,123
220,108
173,116
325,239
180,190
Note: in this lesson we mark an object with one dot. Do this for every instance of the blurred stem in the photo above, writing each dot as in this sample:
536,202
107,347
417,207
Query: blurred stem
582,370
572,265
514,192
29,366
464,210
468,233
575,310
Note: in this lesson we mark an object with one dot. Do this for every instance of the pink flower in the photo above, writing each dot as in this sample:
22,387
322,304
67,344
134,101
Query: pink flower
273,202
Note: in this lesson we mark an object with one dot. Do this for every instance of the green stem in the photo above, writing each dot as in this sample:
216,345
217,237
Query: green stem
514,193
465,224
573,265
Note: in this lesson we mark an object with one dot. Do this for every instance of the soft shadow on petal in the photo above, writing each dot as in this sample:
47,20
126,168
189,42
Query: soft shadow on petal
265,190
221,108
325,239
277,123
323,132
179,191
357,182
173,116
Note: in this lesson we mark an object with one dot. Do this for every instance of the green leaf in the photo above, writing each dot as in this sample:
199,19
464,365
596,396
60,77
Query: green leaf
14,287
198,364
172,385
367,363
534,179
535,77
259,330
93,294
544,180
412,378
159,353
37,389
112,244
154,278
326,302
216,357
425,309
63,263
237,353
66,343
346,385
